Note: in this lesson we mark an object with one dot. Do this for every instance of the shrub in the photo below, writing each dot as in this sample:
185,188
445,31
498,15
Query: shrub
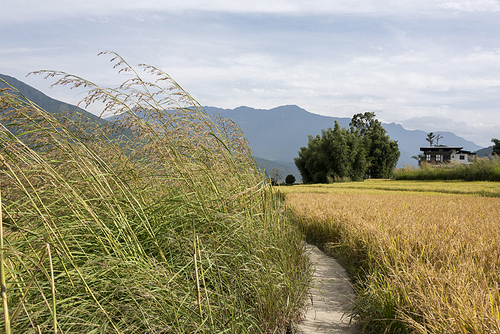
290,179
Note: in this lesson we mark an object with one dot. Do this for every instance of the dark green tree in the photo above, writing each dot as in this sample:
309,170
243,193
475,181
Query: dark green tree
363,150
364,122
430,138
338,154
496,146
290,179
382,152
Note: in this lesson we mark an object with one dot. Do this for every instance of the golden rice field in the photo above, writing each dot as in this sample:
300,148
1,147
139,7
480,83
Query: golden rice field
428,252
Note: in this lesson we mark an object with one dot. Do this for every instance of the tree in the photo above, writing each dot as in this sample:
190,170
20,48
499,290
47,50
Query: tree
420,157
496,147
338,154
364,122
290,179
430,138
438,136
382,153
276,176
363,150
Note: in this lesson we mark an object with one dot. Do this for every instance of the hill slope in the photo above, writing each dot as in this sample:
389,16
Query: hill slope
45,102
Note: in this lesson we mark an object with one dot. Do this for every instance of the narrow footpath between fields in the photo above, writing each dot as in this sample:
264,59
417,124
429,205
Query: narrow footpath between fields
329,297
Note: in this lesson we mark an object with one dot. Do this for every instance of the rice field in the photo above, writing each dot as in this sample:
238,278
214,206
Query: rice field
414,187
426,255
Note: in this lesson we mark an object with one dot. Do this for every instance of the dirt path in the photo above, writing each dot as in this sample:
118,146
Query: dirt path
330,297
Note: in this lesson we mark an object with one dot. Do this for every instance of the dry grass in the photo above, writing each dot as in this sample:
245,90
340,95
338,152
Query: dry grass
430,264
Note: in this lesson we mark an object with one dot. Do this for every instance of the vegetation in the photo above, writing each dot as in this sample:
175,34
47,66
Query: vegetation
153,224
423,263
363,150
431,137
276,176
496,146
338,155
419,157
46,103
290,179
382,153
483,169
416,187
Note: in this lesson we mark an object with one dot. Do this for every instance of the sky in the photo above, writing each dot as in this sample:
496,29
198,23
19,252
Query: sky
431,65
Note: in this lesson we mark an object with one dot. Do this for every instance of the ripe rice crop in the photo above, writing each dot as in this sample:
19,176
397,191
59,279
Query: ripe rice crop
426,264
157,222
415,187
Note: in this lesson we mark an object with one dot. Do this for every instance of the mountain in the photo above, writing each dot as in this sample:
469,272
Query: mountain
485,152
277,134
45,102
55,106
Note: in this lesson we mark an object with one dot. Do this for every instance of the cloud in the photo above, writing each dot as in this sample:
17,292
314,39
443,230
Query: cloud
403,59
41,10
433,123
27,50
471,6
473,127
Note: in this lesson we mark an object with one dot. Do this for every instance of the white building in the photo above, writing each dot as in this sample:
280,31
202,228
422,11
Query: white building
447,154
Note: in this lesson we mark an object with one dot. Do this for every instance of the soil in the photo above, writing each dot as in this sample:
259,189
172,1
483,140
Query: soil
329,298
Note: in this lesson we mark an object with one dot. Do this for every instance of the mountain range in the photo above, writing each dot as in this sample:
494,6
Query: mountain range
276,135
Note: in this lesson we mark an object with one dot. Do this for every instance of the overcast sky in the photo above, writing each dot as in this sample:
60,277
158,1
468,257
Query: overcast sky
432,65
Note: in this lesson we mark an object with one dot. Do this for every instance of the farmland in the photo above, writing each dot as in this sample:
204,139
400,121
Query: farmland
425,255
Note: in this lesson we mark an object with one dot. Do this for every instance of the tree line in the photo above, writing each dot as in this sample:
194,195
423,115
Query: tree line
364,150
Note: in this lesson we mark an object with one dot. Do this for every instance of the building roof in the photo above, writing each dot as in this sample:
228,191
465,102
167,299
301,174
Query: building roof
440,148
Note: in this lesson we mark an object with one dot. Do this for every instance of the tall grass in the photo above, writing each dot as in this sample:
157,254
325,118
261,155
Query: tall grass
482,169
158,222
426,264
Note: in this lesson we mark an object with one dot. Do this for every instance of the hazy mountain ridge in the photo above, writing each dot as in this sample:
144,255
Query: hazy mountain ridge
45,102
275,135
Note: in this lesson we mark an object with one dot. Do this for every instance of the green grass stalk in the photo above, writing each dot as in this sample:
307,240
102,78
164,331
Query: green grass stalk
53,290
158,221
3,283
